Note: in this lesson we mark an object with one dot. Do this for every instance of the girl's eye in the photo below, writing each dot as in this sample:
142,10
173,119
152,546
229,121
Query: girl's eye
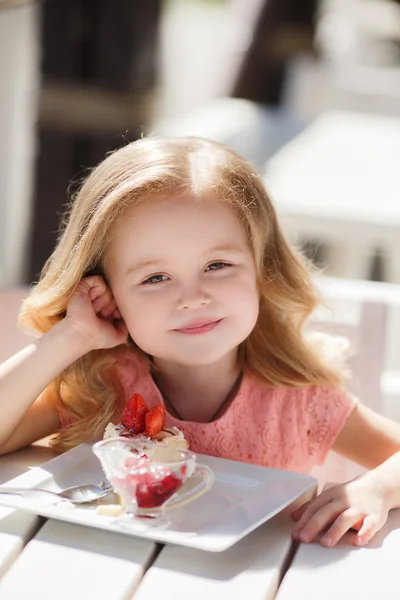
217,266
155,279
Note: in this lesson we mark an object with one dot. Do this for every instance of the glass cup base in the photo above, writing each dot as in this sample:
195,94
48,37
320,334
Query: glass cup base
145,518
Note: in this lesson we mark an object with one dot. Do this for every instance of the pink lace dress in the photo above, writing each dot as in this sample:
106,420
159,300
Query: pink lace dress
276,427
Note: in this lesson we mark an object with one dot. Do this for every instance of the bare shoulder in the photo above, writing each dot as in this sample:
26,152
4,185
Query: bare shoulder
367,437
42,419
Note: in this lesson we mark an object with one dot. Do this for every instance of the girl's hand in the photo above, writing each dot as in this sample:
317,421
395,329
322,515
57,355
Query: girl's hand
359,504
93,313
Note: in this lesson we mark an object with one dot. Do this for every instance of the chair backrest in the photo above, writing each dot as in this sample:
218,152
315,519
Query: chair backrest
367,353
371,311
11,338
365,313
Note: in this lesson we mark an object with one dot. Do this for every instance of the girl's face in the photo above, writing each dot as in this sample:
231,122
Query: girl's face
184,279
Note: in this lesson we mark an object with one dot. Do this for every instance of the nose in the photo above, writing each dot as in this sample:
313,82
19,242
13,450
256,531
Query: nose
193,297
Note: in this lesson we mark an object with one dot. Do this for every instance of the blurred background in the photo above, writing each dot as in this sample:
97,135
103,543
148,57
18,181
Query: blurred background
309,91
79,78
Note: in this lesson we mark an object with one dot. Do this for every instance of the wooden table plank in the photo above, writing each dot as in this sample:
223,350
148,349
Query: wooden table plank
252,566
17,527
67,561
346,571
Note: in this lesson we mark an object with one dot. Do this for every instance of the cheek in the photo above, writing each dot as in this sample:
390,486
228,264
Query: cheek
244,298
143,313
248,305
241,290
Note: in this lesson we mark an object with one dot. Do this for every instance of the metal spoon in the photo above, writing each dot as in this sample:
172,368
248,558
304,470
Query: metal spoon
79,494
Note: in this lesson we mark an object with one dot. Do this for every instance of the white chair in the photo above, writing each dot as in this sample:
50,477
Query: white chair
368,314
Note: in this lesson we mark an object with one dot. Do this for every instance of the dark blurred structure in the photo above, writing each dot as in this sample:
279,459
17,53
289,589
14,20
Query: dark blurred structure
98,78
282,29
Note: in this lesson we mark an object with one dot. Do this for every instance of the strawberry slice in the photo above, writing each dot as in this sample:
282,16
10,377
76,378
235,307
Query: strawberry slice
155,420
134,415
154,493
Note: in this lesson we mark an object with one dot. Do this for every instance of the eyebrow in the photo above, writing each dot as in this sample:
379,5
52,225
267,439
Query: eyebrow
142,265
154,262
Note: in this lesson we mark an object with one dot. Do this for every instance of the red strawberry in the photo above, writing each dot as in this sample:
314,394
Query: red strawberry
154,493
155,420
134,415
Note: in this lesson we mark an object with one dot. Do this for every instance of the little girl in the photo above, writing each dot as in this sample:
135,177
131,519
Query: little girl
172,279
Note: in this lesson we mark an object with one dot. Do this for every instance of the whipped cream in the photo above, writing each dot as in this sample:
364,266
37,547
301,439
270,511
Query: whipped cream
170,436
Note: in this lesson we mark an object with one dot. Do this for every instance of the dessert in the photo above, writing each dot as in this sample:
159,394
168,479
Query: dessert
140,422
146,483
146,475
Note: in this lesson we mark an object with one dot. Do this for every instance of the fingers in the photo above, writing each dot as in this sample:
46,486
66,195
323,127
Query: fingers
94,285
342,524
101,296
105,305
307,510
351,506
314,521
368,529
298,512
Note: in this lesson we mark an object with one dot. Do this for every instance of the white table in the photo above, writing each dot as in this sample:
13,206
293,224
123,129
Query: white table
369,573
338,182
51,559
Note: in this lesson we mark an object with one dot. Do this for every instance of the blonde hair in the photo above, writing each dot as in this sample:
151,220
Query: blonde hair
276,352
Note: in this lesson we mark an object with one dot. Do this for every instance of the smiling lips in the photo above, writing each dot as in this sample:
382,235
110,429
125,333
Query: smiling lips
198,327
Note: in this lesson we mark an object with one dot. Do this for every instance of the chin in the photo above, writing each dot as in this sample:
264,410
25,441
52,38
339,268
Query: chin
202,359
199,361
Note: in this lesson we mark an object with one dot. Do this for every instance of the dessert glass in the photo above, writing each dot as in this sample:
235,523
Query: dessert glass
148,477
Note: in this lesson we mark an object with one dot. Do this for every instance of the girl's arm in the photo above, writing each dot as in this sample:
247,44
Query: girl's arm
92,322
22,380
373,441
363,503
368,438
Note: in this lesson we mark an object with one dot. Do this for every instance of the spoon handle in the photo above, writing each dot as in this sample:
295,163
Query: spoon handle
27,491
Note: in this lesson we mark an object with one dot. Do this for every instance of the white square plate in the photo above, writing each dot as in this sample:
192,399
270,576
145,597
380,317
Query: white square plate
243,497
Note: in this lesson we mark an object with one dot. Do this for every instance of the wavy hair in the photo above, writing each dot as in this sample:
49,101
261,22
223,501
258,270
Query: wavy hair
277,352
